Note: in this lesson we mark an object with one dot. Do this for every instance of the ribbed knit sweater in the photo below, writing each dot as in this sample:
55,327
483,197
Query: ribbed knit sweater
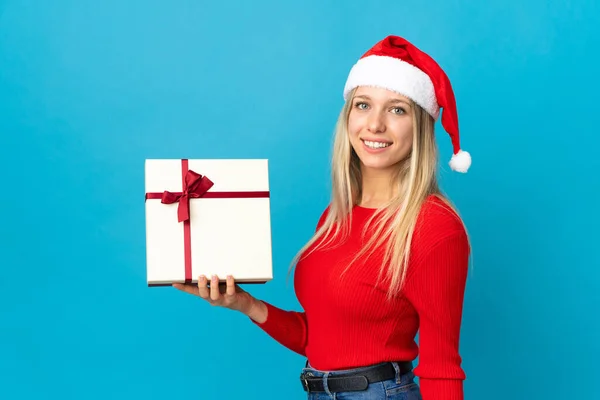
348,322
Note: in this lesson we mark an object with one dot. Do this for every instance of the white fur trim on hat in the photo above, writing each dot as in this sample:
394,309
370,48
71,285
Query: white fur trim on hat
460,161
396,75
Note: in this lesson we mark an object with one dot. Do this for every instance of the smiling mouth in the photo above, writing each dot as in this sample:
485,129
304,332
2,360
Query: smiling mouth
375,145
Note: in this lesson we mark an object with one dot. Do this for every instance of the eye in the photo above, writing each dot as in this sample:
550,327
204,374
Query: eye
361,105
398,110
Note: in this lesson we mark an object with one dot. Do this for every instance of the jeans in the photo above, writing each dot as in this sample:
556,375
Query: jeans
402,387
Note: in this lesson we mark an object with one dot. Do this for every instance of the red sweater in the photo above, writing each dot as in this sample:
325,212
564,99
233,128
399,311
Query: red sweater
349,322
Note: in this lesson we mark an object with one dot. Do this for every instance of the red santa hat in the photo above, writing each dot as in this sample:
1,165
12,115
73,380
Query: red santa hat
396,64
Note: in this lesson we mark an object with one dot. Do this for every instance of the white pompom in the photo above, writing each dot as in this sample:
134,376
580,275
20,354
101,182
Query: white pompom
460,161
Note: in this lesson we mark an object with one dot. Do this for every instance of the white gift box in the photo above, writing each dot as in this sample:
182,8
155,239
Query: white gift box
228,231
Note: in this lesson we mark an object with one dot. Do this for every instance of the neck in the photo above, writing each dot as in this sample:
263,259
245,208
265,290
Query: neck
377,188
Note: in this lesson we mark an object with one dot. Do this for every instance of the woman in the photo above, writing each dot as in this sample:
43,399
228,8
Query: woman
389,255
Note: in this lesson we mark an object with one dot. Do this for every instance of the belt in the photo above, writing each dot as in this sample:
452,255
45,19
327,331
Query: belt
354,381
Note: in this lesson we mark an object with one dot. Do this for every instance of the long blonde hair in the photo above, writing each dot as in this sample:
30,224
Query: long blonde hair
416,179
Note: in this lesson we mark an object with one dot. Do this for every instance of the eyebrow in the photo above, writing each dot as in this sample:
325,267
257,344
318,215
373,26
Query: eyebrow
390,101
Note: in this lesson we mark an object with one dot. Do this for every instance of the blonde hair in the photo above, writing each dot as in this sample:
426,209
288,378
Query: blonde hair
415,180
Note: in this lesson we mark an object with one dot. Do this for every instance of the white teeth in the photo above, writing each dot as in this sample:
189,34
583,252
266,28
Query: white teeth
375,145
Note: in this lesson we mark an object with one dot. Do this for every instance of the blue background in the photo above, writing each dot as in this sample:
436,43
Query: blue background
90,89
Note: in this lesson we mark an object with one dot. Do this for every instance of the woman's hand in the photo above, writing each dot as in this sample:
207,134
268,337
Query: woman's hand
228,295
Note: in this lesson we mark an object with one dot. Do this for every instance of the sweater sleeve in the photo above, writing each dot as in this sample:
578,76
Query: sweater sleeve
289,328
436,290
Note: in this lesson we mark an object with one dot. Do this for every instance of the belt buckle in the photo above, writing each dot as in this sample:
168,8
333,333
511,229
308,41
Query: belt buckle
304,381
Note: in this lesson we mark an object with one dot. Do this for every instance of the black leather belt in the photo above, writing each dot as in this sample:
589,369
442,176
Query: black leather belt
353,381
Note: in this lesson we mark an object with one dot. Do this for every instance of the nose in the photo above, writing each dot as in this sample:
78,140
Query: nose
376,123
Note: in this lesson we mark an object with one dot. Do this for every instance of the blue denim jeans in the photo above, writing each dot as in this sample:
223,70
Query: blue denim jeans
402,387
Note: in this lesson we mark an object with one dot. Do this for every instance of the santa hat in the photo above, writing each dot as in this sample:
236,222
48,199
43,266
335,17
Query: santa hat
397,65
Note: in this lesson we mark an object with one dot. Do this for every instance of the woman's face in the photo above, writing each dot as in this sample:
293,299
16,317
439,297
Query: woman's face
380,127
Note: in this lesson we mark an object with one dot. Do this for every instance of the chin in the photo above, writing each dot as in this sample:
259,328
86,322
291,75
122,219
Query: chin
378,164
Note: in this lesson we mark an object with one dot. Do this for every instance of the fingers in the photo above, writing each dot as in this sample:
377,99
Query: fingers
202,288
230,288
212,294
214,288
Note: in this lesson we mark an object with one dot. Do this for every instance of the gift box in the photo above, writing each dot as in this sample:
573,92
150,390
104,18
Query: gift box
207,217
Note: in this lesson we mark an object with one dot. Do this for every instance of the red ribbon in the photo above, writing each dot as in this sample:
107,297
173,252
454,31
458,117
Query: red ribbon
194,186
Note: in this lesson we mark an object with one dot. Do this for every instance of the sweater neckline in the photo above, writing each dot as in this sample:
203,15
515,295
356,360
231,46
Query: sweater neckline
365,208
361,210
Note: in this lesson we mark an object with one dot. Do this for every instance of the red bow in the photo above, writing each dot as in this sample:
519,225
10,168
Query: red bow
194,186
